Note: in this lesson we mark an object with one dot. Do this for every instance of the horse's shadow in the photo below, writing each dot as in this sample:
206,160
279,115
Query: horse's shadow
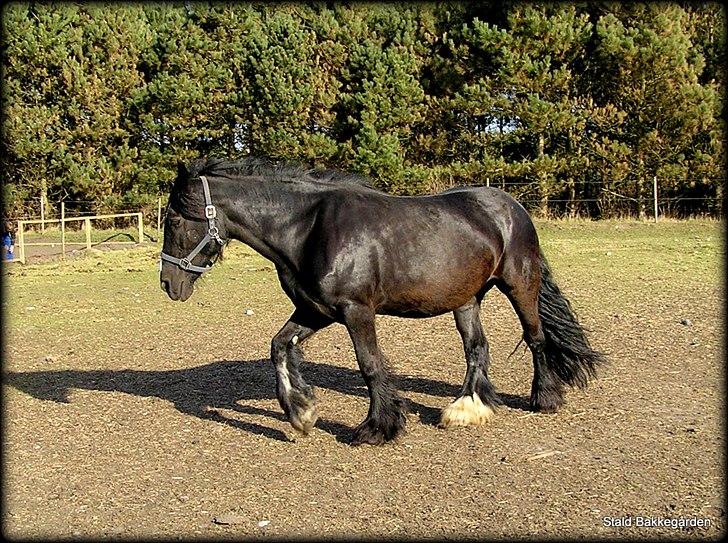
204,390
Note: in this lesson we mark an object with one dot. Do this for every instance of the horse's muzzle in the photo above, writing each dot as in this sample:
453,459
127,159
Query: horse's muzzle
181,293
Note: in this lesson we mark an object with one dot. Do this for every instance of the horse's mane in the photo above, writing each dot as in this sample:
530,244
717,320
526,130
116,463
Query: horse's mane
191,203
254,166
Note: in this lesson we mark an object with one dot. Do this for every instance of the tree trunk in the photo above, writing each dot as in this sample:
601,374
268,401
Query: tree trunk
572,198
571,182
719,205
231,141
543,180
641,211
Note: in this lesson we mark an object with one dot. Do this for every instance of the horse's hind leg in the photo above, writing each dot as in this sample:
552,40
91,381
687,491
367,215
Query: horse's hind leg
547,391
477,400
295,396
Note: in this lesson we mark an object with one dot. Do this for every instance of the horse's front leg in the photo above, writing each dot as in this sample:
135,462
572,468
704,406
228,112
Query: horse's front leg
386,419
295,396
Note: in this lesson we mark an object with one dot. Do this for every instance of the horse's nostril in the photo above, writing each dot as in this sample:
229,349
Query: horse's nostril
164,283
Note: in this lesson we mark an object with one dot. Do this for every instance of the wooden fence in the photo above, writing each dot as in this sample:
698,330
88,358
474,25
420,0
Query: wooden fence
21,244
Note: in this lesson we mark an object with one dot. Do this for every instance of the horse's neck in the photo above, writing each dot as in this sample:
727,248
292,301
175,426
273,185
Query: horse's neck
265,220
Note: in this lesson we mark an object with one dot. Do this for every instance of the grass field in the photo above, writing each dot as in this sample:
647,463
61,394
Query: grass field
640,259
130,415
639,256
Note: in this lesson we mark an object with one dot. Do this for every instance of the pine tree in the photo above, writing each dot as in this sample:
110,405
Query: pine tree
649,70
556,102
70,74
522,114
291,63
382,97
182,110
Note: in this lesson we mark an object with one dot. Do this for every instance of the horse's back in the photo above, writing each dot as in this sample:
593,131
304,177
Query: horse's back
411,256
504,210
423,221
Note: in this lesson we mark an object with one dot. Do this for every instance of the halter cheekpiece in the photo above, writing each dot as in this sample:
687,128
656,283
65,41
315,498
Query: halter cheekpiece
213,233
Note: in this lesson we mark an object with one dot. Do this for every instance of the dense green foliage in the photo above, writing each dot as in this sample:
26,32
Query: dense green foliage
571,107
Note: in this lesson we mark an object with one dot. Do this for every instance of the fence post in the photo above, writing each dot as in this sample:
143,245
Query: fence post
487,181
159,216
87,225
42,214
21,242
654,185
141,227
63,230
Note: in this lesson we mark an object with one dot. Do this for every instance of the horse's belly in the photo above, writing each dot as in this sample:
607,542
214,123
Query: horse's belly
418,311
441,291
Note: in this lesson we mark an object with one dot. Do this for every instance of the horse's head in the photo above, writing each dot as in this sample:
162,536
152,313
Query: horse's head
193,235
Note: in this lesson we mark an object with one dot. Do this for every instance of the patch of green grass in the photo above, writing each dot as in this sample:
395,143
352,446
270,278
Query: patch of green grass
687,250
121,286
613,265
603,263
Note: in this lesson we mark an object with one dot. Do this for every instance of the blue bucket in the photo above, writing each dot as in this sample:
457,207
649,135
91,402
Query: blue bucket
8,247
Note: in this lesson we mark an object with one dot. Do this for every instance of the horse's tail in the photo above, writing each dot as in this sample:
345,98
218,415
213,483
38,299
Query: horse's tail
568,353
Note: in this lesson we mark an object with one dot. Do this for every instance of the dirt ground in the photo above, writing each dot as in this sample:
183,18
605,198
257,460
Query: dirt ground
130,416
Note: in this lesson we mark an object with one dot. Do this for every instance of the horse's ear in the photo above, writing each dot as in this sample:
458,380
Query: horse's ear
182,172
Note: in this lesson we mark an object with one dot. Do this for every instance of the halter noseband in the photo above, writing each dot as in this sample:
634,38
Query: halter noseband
212,233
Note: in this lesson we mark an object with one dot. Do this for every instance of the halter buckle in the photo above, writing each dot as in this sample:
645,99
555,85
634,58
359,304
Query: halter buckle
210,212
184,264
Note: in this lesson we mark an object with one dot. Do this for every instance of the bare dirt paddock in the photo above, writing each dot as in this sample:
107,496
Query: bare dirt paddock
129,416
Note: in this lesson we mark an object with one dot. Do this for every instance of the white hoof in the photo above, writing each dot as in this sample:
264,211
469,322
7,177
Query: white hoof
305,420
466,411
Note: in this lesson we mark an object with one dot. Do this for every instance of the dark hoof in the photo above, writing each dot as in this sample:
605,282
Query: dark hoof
378,432
364,435
545,401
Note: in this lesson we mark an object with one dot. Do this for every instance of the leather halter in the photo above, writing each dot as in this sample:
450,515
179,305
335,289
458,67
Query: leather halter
212,233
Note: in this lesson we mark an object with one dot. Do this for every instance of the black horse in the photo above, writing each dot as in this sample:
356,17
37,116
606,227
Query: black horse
345,252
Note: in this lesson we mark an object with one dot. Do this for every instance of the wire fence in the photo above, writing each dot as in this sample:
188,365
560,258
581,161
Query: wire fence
598,200
613,200
38,216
